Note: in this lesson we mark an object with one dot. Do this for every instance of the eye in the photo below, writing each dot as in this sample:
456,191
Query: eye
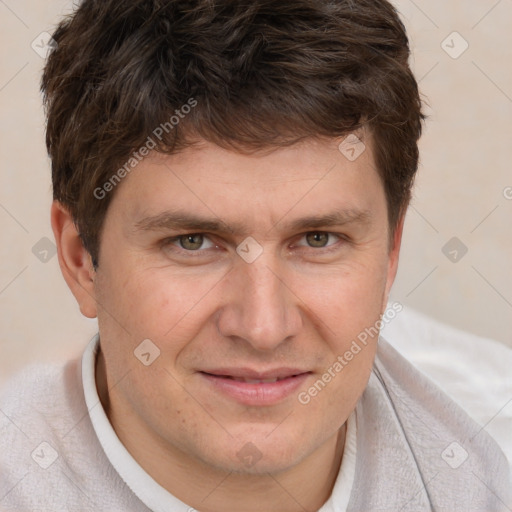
319,239
191,242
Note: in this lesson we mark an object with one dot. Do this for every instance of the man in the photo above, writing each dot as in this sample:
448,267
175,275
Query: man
230,183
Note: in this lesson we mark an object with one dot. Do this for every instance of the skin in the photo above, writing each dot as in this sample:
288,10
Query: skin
297,305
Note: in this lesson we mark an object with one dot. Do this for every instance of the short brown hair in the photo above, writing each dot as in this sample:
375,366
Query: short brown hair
262,74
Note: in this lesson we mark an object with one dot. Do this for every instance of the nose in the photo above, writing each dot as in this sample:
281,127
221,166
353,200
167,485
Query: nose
259,305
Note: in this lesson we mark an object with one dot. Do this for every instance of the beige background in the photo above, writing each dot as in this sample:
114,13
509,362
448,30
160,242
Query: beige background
461,190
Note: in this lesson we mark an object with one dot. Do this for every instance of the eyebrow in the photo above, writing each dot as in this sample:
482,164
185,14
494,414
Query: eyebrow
181,220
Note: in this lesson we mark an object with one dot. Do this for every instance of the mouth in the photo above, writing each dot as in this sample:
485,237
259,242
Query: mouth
248,380
256,381
251,388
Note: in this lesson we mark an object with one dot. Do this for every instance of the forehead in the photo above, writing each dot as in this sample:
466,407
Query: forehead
307,158
313,176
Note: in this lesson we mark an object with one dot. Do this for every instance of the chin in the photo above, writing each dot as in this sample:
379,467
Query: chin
259,454
263,466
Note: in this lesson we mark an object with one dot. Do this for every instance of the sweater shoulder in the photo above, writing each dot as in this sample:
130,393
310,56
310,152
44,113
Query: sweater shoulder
50,455
441,437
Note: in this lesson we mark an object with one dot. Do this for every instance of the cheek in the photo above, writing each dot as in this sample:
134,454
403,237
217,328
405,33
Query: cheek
154,301
170,310
347,298
348,307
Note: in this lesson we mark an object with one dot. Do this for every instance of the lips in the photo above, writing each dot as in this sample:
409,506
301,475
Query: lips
248,380
255,381
255,377
257,388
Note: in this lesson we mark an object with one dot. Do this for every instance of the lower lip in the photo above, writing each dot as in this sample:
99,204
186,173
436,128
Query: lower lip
256,394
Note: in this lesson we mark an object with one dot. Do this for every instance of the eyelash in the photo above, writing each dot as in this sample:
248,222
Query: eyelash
200,252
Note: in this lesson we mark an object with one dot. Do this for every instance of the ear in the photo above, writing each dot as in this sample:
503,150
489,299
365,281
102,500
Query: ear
74,260
394,252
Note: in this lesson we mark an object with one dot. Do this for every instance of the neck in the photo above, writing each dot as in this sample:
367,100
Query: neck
101,382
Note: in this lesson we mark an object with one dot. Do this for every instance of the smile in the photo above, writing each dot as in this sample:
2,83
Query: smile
254,391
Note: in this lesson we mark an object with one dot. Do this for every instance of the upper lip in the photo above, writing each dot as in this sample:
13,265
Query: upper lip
248,373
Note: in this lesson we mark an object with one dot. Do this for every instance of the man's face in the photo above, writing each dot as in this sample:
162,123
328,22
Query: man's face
230,314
